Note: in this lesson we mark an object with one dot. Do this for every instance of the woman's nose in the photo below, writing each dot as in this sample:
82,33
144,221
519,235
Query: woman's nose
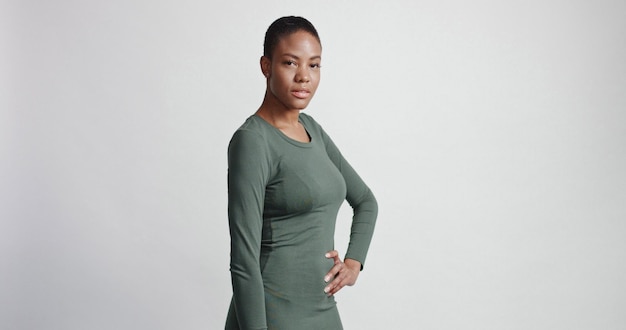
302,75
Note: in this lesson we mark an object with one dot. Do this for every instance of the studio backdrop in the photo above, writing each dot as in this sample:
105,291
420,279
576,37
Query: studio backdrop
492,133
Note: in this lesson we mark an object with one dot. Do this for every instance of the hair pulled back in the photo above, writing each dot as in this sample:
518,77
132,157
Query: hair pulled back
283,27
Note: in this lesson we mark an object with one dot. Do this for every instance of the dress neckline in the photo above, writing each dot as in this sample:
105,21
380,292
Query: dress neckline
285,137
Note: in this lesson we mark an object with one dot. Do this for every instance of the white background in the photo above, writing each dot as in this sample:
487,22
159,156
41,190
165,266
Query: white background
493,134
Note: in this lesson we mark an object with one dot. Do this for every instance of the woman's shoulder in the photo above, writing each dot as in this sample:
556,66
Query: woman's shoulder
311,124
307,119
249,142
255,127
251,131
251,123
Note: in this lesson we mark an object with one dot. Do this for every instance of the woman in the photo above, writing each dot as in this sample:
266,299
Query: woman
286,182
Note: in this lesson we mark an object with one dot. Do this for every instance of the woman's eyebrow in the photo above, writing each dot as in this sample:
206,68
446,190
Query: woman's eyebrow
297,58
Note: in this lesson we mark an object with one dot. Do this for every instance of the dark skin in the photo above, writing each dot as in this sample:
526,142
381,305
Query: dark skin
292,77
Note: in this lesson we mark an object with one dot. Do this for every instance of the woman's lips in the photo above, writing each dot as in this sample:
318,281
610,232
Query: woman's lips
301,93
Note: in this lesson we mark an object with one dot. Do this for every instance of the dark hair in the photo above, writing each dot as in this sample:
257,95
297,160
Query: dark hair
283,27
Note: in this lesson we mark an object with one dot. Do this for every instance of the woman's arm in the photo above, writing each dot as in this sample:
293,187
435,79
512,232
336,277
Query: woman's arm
365,208
248,172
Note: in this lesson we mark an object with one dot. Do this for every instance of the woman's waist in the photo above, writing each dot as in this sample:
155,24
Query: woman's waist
295,270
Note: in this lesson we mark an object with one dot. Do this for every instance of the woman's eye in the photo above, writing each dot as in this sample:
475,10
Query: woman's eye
316,65
290,63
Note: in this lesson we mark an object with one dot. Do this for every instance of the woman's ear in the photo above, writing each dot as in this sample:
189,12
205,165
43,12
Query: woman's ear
266,66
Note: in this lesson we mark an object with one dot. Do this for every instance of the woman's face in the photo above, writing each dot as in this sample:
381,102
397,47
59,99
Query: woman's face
293,73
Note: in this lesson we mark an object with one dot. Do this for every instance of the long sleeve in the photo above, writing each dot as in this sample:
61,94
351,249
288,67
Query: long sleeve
362,201
248,173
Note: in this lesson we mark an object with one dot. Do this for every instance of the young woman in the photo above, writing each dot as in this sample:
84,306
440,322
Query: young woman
286,182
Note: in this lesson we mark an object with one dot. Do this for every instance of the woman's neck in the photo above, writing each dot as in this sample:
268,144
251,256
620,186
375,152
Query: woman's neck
277,115
285,120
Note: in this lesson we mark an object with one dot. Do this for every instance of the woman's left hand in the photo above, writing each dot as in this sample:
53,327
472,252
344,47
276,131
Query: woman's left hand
343,273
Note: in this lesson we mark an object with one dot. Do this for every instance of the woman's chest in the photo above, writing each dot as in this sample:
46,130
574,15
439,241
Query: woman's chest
304,180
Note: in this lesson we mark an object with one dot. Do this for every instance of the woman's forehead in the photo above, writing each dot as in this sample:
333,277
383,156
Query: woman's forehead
298,44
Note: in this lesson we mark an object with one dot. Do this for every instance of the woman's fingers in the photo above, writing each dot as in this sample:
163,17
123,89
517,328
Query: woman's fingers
333,271
334,255
340,274
344,277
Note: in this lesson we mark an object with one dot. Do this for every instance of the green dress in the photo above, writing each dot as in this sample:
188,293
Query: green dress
283,199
